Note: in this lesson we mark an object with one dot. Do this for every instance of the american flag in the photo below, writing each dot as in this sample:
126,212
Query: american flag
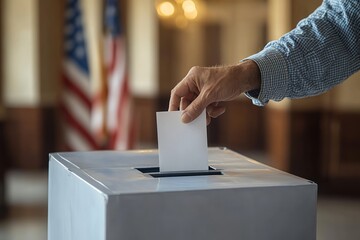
76,103
119,108
98,115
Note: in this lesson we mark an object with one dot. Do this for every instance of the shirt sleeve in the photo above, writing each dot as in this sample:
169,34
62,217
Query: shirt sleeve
321,52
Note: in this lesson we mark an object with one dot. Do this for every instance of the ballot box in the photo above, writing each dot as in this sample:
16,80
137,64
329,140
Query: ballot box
122,195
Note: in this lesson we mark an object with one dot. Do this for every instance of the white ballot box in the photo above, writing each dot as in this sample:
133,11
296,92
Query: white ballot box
122,195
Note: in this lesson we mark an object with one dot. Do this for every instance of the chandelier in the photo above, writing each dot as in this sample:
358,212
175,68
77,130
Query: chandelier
178,12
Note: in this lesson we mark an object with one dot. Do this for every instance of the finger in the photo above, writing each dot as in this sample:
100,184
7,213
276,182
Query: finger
195,108
184,103
177,93
211,106
215,111
208,119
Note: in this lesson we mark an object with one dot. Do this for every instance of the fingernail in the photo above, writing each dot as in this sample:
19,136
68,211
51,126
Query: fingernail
185,118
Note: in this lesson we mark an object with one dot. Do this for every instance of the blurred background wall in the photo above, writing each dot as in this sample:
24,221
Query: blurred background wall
317,138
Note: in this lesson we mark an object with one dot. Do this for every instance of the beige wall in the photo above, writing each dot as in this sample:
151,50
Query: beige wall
20,53
142,27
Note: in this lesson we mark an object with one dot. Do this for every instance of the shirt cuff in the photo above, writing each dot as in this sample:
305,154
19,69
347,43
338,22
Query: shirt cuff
274,76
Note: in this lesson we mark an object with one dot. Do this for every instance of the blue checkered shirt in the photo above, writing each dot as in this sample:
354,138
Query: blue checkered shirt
321,52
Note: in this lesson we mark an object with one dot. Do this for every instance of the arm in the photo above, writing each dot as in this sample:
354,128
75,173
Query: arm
322,51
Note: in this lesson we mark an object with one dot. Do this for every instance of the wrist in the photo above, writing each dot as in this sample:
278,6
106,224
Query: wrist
247,75
251,76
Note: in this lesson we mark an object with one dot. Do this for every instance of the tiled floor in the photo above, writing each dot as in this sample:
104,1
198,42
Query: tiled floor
338,218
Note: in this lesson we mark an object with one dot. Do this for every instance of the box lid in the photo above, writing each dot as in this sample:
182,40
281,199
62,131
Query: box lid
114,172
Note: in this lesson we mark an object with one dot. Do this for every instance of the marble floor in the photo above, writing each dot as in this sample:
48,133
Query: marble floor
337,217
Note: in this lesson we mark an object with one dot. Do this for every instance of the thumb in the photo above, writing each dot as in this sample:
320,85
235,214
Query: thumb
194,110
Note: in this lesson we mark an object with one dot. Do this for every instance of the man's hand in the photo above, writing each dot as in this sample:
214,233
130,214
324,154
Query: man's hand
208,87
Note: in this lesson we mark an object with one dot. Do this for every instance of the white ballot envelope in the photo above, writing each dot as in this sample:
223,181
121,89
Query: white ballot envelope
182,146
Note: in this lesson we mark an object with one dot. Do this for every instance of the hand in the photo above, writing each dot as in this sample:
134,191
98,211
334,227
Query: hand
208,87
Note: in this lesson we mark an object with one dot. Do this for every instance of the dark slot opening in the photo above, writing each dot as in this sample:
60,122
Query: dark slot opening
155,172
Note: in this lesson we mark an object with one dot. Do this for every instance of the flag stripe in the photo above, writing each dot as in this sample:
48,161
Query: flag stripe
77,76
115,82
76,126
113,56
70,86
121,114
77,109
75,140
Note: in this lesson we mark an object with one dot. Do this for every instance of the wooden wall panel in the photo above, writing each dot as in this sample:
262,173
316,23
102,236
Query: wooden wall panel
277,137
318,145
344,147
23,136
145,117
305,143
340,167
30,135
294,141
3,167
241,127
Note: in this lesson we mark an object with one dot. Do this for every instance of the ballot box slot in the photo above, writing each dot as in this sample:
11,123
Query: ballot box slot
155,172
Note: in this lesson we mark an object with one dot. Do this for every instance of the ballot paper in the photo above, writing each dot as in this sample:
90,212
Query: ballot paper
182,146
